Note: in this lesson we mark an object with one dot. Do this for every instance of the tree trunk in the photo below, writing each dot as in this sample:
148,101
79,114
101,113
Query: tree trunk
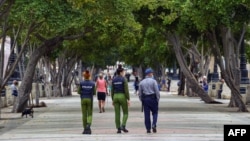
67,80
188,90
58,87
66,86
26,85
174,40
47,81
37,93
230,71
181,87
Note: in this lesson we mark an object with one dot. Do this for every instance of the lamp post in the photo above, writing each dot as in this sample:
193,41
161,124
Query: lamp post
214,78
215,75
243,70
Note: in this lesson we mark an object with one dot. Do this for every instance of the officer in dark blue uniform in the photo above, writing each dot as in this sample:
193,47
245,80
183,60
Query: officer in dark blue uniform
86,91
121,99
149,95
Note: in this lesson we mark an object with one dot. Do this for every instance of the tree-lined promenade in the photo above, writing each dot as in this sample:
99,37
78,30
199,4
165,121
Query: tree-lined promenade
53,42
180,118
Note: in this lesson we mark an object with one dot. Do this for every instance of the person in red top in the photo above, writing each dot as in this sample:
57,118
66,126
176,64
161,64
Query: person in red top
101,86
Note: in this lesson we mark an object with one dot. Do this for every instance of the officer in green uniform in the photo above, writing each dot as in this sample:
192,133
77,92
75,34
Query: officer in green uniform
86,91
121,99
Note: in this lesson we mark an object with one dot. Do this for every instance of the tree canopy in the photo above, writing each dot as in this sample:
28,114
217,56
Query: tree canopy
139,32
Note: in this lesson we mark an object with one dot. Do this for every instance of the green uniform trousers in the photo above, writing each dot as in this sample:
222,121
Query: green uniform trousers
87,111
120,101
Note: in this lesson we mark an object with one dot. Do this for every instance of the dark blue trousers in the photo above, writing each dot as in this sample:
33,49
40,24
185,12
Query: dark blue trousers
150,105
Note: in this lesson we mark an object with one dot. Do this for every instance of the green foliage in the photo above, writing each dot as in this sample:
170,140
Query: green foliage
132,31
156,17
48,18
210,14
114,26
111,24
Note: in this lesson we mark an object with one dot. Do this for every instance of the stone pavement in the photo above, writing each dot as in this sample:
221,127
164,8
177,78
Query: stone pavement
180,119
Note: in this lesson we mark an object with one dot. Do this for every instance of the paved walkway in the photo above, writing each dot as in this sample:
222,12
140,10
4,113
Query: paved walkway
180,118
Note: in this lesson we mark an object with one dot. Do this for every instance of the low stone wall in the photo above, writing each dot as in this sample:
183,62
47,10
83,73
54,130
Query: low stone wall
247,98
7,100
214,87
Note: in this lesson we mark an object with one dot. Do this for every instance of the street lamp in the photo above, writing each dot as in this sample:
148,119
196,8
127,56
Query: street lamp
215,75
244,72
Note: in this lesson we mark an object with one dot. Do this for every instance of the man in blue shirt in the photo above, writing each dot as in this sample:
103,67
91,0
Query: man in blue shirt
149,95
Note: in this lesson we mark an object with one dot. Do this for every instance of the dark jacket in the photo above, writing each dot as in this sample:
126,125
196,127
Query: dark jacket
87,89
120,85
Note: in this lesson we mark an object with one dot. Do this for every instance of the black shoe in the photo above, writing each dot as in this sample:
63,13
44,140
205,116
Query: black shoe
124,129
119,131
148,131
154,130
84,131
88,130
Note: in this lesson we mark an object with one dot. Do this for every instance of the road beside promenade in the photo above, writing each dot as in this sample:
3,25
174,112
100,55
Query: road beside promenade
180,118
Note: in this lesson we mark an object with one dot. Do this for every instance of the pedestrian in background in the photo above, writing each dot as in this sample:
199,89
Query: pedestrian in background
149,96
220,88
102,91
163,84
205,84
14,90
168,84
136,85
86,91
121,99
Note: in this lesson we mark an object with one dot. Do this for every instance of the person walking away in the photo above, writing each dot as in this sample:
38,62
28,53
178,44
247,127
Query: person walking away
14,92
168,84
127,75
101,86
136,85
121,99
86,91
149,95
163,84
220,88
